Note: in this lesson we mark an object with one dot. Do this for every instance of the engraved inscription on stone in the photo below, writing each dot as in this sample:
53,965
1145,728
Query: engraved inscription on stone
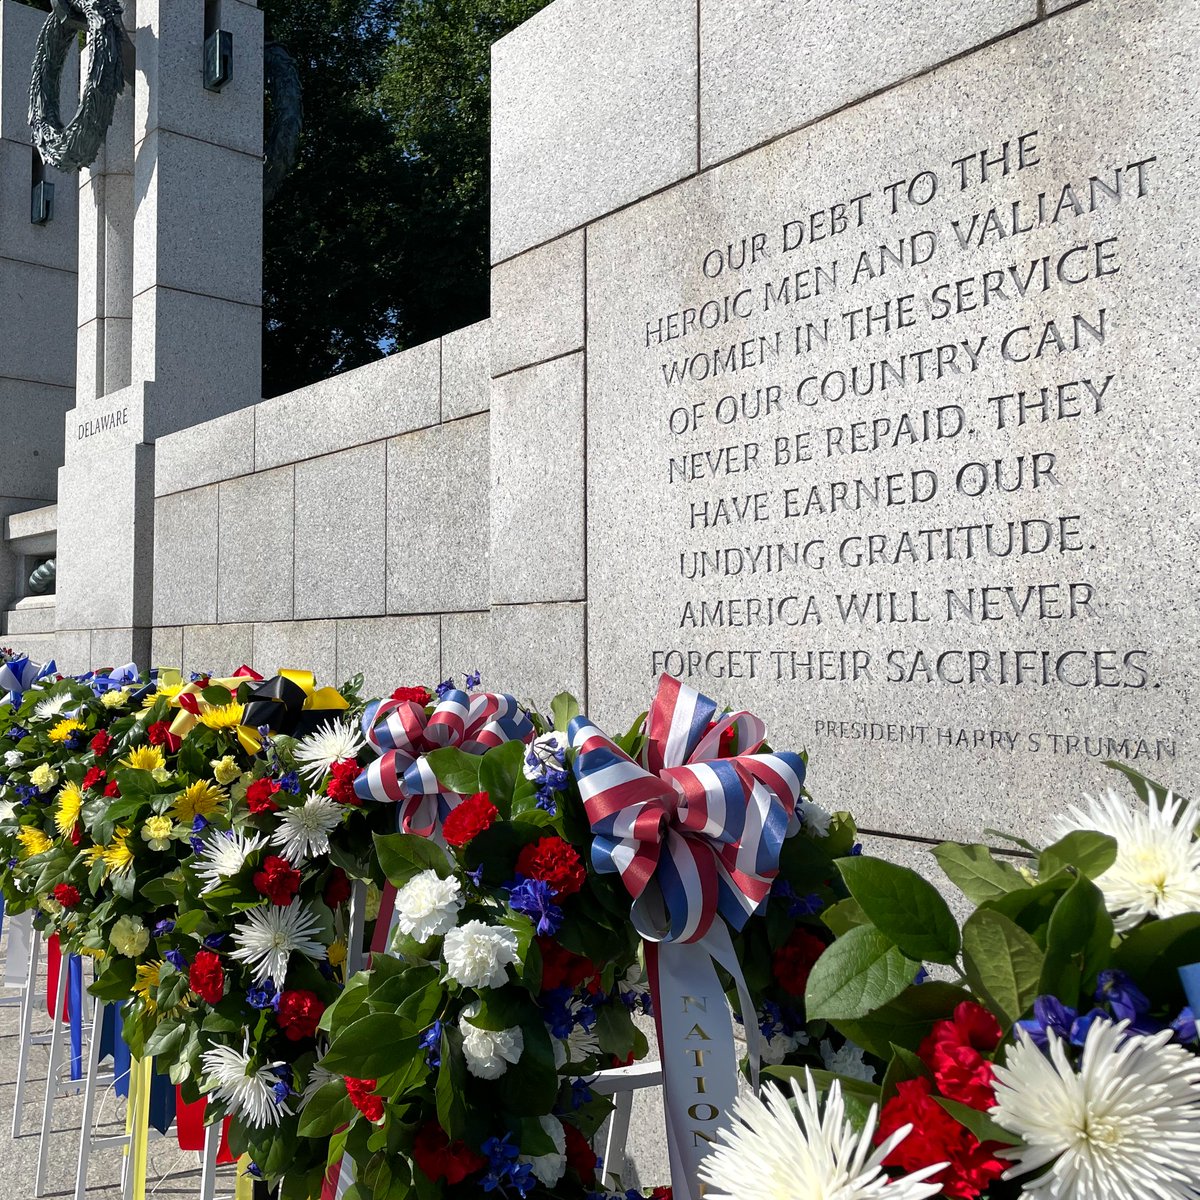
893,422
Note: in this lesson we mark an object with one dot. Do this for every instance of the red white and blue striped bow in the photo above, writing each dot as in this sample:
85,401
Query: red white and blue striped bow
402,733
691,833
19,675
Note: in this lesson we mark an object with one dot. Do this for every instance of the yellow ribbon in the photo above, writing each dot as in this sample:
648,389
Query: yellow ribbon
137,1123
245,1181
315,697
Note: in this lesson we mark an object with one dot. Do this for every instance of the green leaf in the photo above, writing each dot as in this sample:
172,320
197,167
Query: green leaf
217,695
499,773
563,708
904,1065
907,1020
367,1048
857,1094
1079,941
450,1091
1002,962
1032,907
973,870
329,1109
1155,950
1147,789
858,974
455,769
1089,852
1012,837
976,1122
904,907
843,916
167,1040
403,855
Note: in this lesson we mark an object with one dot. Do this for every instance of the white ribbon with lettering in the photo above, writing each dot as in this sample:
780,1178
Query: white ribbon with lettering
696,1046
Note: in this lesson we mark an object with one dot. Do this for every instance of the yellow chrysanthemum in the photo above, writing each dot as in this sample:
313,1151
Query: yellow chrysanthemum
222,716
93,854
70,802
33,841
91,952
145,758
336,954
117,855
166,691
199,799
145,982
64,729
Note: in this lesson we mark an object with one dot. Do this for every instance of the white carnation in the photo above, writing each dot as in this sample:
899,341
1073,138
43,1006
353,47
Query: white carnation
427,906
13,758
847,1061
550,1168
816,819
477,954
488,1051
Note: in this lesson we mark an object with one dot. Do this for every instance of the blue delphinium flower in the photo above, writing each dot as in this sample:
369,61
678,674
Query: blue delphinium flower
431,1043
26,792
556,1011
263,996
162,928
476,876
1049,1014
1184,1026
17,732
283,1089
254,1170
581,1094
1126,1001
214,941
504,1171
798,906
472,680
76,741
199,825
176,959
290,783
535,898
447,685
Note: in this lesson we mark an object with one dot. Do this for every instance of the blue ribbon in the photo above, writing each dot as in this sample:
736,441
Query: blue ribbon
112,1045
1189,976
162,1102
1,914
75,1013
18,676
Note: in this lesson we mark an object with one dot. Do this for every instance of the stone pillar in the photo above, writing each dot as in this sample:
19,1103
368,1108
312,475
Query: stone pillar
37,296
191,290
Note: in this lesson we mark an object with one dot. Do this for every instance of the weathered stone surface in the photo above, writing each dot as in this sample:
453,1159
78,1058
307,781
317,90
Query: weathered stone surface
538,304
339,556
389,651
33,530
19,26
45,298
438,518
256,551
856,50
537,459
186,531
41,647
466,370
117,647
73,650
306,645
538,650
218,649
377,401
34,614
166,647
31,417
467,646
205,453
593,106
1092,653
52,244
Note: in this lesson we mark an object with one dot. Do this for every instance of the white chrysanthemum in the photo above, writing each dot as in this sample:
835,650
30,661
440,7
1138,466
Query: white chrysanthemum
489,1051
545,752
43,710
428,906
550,1168
223,854
477,954
303,832
764,1155
847,1060
1157,868
318,1077
247,1090
1125,1127
269,936
8,810
333,742
13,758
815,818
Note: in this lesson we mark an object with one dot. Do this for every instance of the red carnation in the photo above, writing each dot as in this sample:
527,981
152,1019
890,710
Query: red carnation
438,1156
581,1157
418,695
66,895
337,890
111,789
206,976
278,880
341,782
793,962
93,776
937,1137
954,1051
554,861
561,968
662,1192
158,733
298,1014
101,742
258,796
468,820
362,1096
